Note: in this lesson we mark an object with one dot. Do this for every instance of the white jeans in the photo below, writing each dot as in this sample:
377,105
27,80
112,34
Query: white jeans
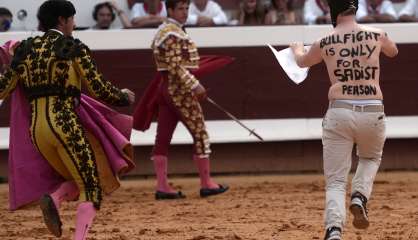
342,128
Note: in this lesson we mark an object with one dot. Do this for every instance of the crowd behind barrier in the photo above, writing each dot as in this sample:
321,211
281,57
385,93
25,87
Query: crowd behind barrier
128,14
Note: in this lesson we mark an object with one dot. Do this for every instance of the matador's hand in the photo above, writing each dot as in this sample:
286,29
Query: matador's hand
200,92
131,95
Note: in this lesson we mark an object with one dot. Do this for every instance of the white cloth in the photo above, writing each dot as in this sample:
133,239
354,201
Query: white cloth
287,61
385,8
410,8
213,10
311,11
138,10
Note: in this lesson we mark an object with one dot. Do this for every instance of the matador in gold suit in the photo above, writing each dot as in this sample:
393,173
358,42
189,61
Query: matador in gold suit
175,55
49,69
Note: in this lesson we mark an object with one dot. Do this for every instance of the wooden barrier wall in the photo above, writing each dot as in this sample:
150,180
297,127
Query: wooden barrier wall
255,87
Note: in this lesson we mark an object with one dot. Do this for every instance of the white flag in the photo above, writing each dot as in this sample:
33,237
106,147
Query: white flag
287,61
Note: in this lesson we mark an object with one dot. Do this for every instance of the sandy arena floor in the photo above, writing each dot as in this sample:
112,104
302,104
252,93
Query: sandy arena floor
257,207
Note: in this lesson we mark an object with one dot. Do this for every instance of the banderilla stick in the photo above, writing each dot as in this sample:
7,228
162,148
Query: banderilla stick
252,132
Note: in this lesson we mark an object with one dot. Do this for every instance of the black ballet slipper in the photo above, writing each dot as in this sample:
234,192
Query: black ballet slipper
51,216
165,196
206,192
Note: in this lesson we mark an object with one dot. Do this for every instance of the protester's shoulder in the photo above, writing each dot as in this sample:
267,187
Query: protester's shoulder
66,47
381,35
371,29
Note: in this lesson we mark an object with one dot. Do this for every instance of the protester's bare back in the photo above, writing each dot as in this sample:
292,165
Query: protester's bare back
351,53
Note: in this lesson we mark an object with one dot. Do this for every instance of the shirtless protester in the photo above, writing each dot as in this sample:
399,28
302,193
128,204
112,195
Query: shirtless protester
355,114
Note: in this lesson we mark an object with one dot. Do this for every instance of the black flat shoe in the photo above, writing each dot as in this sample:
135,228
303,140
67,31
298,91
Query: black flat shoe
163,195
51,216
206,192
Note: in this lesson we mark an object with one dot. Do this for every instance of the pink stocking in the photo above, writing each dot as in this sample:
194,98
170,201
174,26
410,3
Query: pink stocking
203,165
160,166
85,216
68,191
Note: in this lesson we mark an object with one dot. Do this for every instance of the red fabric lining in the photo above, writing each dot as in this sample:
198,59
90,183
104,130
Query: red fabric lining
148,107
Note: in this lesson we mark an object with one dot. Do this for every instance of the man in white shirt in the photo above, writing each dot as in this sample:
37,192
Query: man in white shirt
409,12
150,13
206,13
372,11
316,12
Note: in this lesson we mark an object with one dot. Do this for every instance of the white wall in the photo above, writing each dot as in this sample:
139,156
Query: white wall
83,17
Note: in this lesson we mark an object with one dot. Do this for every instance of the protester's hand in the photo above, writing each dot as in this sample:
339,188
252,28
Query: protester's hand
297,47
200,92
131,95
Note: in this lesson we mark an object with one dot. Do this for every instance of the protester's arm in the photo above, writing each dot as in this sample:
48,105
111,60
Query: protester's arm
389,47
309,58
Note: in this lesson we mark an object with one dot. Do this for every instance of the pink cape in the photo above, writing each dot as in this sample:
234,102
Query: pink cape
30,175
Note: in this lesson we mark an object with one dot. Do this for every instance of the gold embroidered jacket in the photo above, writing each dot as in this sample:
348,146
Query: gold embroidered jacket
176,53
54,65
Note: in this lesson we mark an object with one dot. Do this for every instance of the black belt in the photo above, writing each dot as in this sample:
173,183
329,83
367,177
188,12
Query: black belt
51,90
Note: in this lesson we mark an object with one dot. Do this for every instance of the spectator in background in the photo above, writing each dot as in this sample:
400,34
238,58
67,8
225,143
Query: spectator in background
297,6
6,19
206,13
376,11
251,12
409,12
281,12
151,13
316,12
104,15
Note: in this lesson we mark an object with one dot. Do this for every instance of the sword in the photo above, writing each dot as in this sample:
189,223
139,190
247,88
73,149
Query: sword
252,132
